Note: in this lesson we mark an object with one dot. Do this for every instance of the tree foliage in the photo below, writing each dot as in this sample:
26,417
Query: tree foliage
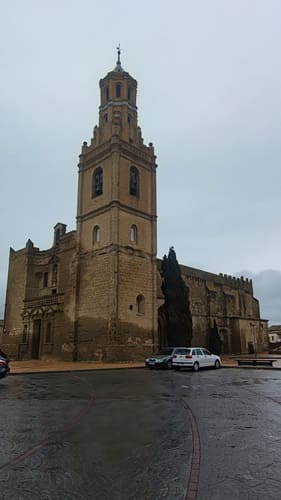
176,305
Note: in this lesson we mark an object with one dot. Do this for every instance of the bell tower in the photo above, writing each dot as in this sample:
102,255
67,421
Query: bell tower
116,305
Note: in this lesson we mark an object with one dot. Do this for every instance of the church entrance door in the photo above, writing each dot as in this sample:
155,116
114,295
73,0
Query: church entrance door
35,349
225,334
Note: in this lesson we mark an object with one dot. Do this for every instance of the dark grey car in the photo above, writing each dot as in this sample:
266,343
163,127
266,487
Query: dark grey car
163,358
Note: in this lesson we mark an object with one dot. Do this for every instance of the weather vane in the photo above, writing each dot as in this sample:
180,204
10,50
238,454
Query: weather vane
118,52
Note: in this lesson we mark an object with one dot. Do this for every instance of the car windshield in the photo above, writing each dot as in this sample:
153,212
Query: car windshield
165,352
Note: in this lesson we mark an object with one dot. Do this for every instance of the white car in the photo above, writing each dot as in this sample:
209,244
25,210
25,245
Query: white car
195,358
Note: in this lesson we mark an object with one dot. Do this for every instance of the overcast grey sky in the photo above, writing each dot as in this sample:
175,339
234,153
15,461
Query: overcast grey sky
209,99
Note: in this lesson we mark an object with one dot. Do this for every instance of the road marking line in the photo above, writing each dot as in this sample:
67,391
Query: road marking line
193,480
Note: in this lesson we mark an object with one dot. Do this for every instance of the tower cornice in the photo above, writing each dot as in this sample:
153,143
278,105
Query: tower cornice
115,75
142,155
118,104
121,206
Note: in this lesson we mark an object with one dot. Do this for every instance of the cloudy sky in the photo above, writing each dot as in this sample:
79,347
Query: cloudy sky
209,82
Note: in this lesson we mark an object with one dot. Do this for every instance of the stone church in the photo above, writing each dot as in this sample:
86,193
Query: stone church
95,294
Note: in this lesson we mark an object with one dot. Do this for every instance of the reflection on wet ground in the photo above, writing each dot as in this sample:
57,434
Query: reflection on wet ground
127,434
47,386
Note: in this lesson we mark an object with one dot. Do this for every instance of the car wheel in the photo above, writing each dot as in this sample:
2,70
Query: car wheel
196,367
217,364
169,365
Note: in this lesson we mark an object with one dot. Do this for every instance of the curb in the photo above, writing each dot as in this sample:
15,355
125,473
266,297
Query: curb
79,370
253,367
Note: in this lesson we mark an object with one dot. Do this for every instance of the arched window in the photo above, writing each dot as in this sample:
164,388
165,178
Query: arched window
48,333
107,93
97,182
140,304
134,233
96,234
118,89
134,181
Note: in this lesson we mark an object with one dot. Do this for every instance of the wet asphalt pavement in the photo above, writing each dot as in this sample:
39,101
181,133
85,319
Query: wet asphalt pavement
142,435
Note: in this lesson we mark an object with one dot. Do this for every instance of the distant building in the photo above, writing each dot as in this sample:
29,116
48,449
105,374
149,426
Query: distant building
274,336
95,293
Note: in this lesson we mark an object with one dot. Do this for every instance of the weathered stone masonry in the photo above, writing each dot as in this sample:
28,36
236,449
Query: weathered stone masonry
95,293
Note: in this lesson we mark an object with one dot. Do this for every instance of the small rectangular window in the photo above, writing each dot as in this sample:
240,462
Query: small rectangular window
45,280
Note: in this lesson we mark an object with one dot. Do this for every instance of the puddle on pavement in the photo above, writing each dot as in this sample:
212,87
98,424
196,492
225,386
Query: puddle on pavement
247,381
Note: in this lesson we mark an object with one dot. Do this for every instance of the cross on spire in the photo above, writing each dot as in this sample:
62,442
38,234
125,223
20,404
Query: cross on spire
118,63
118,52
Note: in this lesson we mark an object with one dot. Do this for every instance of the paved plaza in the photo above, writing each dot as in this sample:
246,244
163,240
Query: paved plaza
142,435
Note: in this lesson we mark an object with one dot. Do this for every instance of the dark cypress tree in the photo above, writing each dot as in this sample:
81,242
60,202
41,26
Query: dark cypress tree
176,305
215,343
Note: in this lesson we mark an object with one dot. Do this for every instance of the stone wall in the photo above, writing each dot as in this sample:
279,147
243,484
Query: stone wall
16,289
109,324
227,300
34,293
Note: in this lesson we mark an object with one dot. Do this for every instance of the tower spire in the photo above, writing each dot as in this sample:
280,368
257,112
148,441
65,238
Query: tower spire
118,66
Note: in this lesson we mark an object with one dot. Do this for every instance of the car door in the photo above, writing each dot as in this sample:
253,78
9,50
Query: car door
200,357
208,357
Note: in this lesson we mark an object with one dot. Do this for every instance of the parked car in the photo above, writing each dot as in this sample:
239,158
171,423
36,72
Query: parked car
4,366
195,358
163,358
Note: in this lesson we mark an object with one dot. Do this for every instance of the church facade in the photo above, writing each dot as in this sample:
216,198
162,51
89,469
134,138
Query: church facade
96,293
